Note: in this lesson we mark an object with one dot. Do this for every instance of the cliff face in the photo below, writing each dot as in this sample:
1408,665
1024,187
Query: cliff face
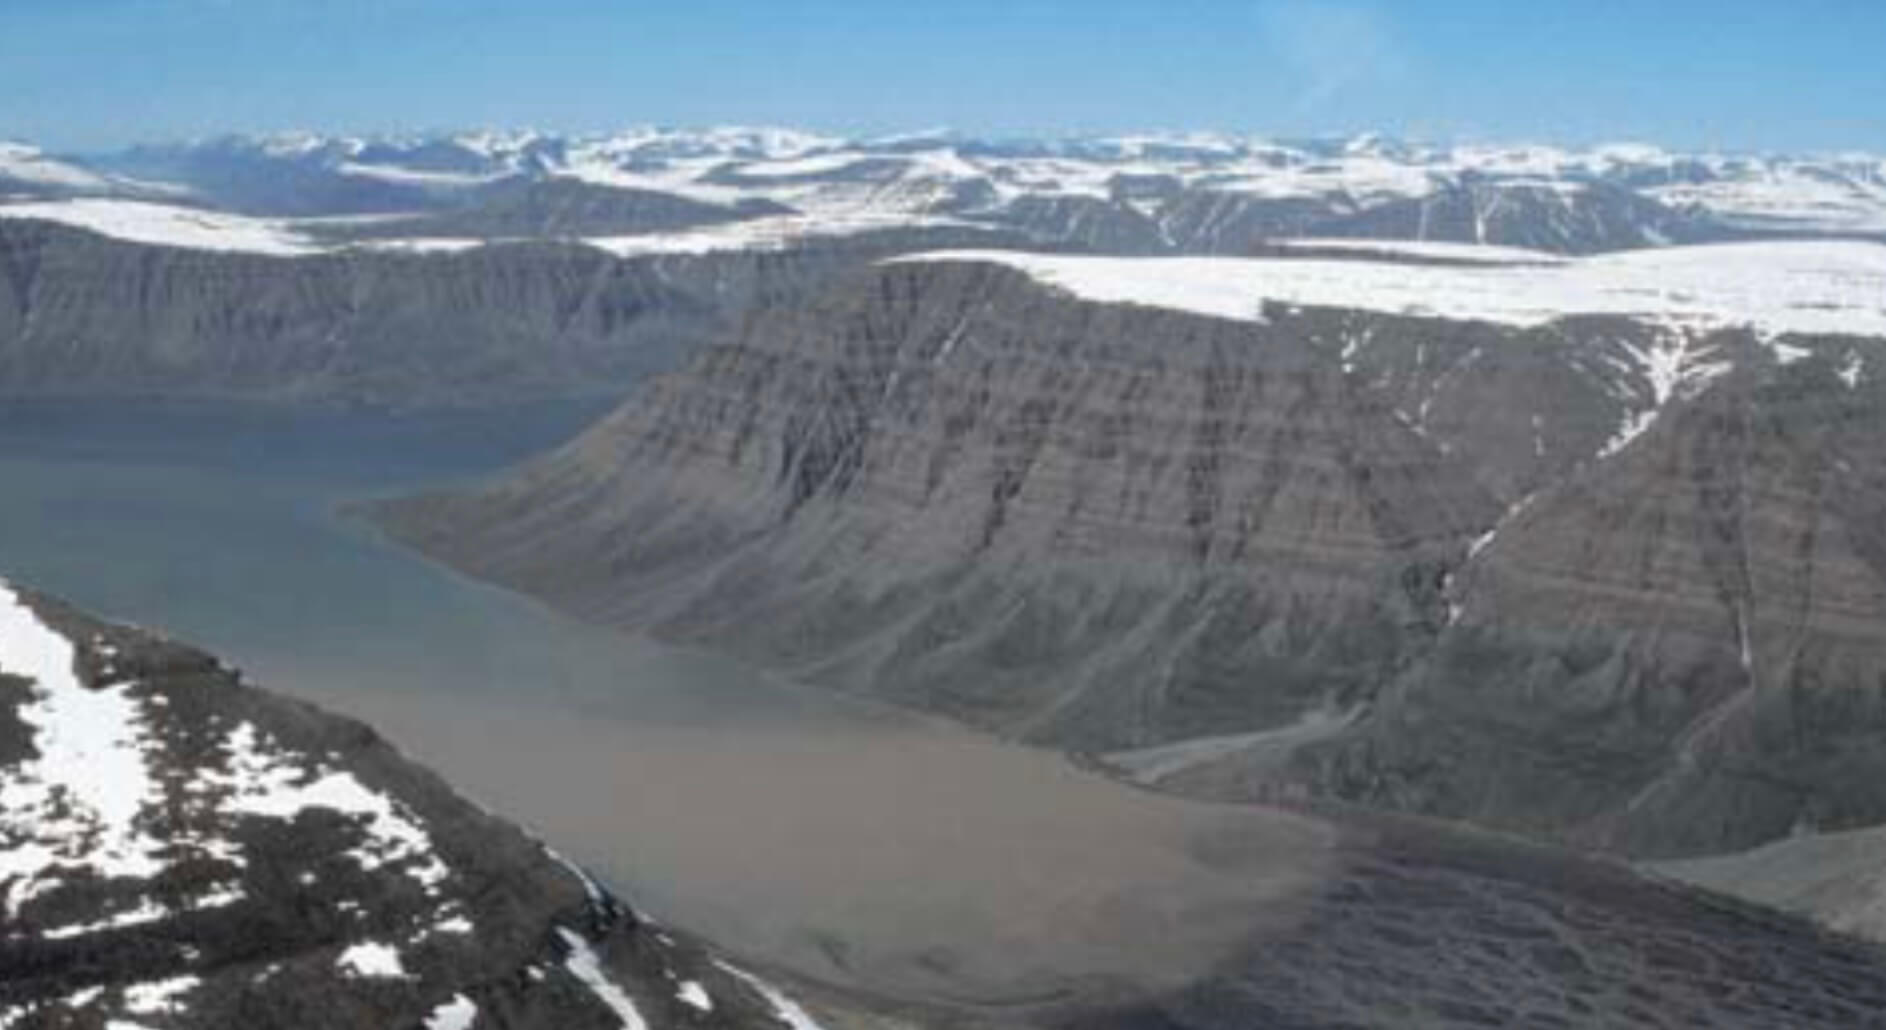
1693,631
180,850
1049,518
80,314
1595,579
84,315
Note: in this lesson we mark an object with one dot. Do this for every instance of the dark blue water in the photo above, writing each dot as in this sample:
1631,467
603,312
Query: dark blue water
221,525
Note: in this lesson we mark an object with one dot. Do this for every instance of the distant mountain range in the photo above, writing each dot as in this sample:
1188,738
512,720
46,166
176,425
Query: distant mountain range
1529,488
1198,193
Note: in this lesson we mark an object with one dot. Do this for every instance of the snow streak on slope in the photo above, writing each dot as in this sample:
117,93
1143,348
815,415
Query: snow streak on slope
77,803
789,1012
1802,287
584,964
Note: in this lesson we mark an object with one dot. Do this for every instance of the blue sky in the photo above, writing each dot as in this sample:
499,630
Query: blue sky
1806,74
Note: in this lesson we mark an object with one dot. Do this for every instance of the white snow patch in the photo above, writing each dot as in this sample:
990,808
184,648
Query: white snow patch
416,176
1673,371
424,245
1485,540
148,911
785,1008
693,995
1851,371
584,964
278,786
159,996
170,226
1788,353
457,1014
455,924
76,805
372,959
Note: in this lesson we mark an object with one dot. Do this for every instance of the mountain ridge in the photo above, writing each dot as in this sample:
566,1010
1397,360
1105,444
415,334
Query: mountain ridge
1198,193
1109,528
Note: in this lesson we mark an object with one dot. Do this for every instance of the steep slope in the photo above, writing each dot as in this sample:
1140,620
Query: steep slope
947,486
1678,649
180,850
1609,576
81,314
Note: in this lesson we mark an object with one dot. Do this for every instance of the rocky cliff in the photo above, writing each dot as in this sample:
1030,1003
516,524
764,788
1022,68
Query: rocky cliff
1596,577
82,314
178,849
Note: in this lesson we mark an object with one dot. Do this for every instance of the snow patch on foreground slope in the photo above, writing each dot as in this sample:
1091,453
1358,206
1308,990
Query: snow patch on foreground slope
77,803
584,964
80,806
274,785
1801,287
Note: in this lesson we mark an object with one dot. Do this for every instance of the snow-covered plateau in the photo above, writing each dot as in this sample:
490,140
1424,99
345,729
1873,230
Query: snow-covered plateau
1778,287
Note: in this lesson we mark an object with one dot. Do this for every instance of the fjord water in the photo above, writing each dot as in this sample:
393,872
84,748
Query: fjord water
845,842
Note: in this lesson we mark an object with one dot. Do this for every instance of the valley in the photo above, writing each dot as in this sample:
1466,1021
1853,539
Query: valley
799,828
888,868
930,569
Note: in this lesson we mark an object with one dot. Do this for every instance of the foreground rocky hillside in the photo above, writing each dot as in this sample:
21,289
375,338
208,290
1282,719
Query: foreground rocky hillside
1589,549
180,850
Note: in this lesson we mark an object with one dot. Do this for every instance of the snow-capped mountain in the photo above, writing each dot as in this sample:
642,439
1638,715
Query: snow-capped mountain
1172,193
27,173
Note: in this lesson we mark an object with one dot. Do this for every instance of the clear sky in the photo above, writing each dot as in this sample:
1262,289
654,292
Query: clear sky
1735,74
